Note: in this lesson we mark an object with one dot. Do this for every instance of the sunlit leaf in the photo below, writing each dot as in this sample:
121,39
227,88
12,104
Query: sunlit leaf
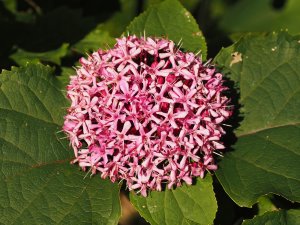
195,204
170,19
267,153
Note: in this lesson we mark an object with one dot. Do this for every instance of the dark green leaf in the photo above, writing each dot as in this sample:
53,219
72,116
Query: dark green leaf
10,5
172,20
64,76
117,24
265,204
267,154
190,5
103,36
22,57
96,39
37,183
282,217
260,15
194,204
62,25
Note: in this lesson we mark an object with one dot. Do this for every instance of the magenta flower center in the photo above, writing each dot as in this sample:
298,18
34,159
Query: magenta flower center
147,113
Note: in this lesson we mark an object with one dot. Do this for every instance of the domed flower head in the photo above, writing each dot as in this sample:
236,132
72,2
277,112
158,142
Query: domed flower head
147,113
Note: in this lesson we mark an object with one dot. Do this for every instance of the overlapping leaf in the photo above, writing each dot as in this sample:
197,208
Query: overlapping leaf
190,5
120,20
260,15
37,183
22,57
96,39
194,204
282,217
103,35
187,205
266,156
172,20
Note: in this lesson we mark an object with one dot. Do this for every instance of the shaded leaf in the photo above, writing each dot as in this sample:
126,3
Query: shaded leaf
265,204
64,76
10,5
172,20
260,15
22,57
266,156
195,204
96,39
62,25
282,217
37,183
117,24
190,5
103,35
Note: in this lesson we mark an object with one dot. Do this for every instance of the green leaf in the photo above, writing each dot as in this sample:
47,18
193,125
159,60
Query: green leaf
265,204
261,16
37,183
97,38
103,35
282,217
195,204
64,76
52,29
172,20
22,57
267,153
190,5
120,20
10,5
21,15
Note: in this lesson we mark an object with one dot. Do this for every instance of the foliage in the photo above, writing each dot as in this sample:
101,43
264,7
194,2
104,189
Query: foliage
262,16
270,63
180,206
171,20
38,184
258,178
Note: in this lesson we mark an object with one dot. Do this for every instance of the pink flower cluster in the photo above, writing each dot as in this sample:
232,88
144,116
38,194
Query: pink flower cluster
147,113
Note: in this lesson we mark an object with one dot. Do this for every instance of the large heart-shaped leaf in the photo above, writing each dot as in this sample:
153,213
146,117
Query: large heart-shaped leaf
37,183
282,217
194,204
172,20
266,68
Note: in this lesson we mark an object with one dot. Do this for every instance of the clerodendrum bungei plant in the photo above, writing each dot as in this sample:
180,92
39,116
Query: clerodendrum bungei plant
146,128
147,113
